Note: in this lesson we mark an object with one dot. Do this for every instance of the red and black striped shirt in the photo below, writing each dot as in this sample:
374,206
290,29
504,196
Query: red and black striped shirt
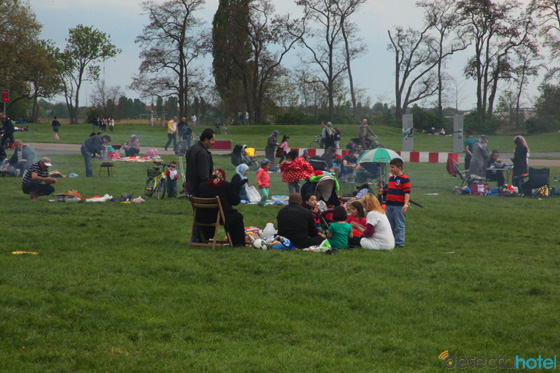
396,189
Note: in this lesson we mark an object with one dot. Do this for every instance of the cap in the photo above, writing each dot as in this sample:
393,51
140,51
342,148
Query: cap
264,161
46,161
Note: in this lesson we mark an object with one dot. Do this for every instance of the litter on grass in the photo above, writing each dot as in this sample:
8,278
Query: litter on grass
25,252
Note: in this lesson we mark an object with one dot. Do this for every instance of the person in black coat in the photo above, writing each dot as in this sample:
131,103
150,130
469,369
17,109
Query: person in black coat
229,197
520,161
297,224
199,161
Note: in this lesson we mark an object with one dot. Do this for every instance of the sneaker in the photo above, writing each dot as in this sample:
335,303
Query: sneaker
399,246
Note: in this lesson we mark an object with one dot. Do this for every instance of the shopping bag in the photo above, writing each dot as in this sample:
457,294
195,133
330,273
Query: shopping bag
253,194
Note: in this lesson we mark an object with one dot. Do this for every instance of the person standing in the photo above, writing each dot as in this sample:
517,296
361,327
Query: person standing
246,118
199,161
263,181
171,133
397,197
55,125
172,176
111,123
271,145
218,125
23,157
363,132
520,160
181,127
469,148
193,119
8,129
93,145
36,181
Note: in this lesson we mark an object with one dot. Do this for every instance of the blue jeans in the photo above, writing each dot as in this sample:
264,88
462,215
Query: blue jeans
294,187
397,219
89,163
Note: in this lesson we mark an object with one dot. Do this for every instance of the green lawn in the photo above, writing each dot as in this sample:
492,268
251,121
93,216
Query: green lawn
115,287
300,136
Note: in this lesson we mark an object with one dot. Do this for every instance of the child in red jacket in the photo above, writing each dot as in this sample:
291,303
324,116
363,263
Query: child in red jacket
263,181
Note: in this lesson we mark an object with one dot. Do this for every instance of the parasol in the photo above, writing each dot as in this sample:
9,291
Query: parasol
379,155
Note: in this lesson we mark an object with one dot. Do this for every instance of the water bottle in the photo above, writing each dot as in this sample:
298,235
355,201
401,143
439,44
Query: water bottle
268,231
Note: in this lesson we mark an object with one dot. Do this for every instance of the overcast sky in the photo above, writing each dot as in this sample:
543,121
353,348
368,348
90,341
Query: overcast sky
123,21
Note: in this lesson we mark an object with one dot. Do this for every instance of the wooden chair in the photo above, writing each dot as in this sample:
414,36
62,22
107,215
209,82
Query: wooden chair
208,203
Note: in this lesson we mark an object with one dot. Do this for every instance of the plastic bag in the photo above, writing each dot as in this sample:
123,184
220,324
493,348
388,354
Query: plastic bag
253,194
322,248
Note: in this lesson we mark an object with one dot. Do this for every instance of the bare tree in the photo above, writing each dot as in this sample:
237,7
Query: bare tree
324,42
353,45
415,59
548,14
171,42
497,31
106,99
449,30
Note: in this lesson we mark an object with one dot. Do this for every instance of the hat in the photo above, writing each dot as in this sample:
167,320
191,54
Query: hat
264,161
46,161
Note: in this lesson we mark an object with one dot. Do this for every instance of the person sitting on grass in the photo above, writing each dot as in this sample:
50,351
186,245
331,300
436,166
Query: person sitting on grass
172,176
357,221
22,158
340,231
36,181
132,147
349,165
296,224
377,235
240,181
311,204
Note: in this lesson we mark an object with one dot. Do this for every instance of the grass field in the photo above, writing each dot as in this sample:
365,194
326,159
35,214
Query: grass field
115,287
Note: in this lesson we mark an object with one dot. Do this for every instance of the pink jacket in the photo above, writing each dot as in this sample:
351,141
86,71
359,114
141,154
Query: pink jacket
263,178
296,170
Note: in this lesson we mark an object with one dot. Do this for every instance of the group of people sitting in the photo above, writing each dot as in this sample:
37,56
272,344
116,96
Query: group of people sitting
485,165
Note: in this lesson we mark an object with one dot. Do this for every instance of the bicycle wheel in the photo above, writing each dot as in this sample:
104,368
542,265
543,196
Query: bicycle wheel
150,187
162,187
314,144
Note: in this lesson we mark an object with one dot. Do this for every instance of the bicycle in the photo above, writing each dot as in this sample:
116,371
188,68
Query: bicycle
157,182
316,143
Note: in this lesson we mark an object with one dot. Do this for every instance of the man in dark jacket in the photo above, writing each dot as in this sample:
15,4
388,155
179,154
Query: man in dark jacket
296,223
8,129
93,145
22,158
199,161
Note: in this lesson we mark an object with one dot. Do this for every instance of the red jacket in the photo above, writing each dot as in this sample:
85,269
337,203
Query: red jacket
296,170
263,178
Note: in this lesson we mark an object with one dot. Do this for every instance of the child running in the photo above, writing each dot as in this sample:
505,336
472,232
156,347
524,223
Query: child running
340,231
263,181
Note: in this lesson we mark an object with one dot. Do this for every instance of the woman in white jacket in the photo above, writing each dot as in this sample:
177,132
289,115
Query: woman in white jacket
377,233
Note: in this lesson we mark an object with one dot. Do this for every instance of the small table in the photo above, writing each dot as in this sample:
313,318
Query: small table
108,166
508,168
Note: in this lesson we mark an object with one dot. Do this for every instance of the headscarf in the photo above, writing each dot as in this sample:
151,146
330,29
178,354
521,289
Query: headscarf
482,142
217,177
241,169
133,139
523,142
330,130
274,134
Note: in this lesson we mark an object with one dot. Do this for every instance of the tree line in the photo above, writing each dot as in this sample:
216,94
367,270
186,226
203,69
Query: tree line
248,43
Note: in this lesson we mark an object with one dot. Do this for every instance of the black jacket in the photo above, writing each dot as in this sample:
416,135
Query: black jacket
199,166
519,161
228,199
296,223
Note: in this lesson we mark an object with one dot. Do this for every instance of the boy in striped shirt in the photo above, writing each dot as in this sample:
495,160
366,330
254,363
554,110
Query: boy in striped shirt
397,197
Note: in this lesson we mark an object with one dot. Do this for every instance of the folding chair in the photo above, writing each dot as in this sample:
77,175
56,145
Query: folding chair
454,170
539,180
208,203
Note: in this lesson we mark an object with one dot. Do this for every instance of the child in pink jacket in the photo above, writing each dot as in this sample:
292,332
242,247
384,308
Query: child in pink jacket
263,181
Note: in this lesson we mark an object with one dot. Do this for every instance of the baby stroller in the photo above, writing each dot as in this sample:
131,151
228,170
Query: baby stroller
248,157
318,163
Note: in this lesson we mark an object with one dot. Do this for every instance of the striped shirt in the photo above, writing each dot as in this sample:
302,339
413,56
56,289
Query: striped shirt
396,189
35,167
